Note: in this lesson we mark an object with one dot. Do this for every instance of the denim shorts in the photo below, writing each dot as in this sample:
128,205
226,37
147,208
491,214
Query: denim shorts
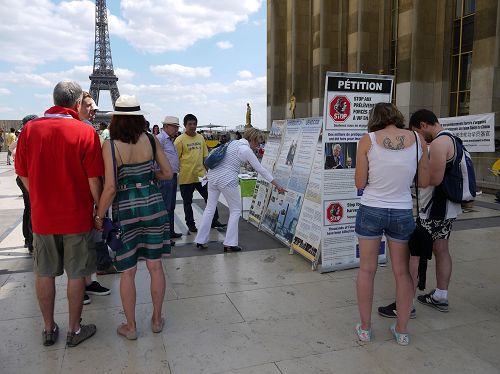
396,224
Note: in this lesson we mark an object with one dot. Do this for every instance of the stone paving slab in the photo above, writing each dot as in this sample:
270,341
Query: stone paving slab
261,312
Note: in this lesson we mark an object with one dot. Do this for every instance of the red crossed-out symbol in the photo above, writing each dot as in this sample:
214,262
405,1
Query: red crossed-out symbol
339,108
334,212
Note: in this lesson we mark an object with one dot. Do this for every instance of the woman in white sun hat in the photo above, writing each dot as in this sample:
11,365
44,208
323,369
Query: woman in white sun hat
138,206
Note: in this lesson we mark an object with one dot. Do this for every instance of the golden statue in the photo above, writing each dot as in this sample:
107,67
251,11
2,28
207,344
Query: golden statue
248,116
293,104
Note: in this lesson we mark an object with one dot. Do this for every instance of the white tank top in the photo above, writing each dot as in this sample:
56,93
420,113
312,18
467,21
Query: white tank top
390,175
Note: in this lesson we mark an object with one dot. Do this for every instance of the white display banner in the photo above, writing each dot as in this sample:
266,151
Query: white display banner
348,100
262,187
292,171
476,131
307,238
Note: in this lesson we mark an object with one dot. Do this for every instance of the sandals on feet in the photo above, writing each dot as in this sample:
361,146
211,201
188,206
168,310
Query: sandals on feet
157,327
363,335
125,332
401,338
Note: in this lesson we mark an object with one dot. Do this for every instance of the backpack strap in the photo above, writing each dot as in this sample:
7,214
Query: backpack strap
454,139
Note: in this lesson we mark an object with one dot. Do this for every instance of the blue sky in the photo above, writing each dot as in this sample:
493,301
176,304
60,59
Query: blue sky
177,56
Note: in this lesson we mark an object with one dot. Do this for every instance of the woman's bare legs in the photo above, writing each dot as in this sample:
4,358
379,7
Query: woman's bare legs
400,257
368,249
128,296
157,288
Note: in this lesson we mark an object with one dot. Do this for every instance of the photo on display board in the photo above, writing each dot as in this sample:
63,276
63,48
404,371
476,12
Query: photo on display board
289,216
340,155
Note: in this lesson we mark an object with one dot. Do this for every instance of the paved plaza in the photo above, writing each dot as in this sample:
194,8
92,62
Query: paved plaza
261,311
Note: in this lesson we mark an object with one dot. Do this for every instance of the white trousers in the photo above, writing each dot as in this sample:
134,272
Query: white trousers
233,198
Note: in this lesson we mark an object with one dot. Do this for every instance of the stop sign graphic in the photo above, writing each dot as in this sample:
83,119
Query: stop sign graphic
334,212
339,108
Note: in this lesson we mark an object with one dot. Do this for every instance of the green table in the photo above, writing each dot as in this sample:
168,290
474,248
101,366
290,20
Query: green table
247,187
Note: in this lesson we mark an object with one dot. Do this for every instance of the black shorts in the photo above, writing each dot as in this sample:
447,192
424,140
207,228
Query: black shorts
438,228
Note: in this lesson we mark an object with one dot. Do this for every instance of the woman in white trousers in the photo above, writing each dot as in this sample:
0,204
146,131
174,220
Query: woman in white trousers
224,179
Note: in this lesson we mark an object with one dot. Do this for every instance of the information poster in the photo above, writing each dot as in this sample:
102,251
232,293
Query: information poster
348,100
292,171
307,238
476,131
263,187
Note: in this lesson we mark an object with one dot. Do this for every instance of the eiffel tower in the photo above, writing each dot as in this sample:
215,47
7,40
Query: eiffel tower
103,77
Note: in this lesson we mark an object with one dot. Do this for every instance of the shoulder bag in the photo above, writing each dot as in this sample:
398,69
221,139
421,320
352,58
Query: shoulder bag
112,229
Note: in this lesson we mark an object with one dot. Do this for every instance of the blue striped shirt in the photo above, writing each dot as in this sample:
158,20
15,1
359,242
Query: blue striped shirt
169,149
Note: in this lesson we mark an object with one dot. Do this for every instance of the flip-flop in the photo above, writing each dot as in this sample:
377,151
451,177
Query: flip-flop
157,327
124,331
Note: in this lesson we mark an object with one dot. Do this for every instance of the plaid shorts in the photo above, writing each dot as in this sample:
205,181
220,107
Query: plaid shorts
438,228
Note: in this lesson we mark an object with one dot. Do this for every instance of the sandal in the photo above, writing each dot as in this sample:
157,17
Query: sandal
157,327
50,337
401,338
363,335
125,332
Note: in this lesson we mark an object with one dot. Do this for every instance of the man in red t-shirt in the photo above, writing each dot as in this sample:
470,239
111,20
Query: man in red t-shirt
60,162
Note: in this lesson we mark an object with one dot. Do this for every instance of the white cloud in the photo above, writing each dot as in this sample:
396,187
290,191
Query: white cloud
245,74
37,31
224,44
175,70
5,91
218,103
158,26
79,74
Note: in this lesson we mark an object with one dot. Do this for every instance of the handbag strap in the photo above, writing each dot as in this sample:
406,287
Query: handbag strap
153,144
416,174
115,172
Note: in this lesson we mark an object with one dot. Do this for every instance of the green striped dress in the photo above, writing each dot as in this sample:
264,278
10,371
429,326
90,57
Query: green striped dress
142,214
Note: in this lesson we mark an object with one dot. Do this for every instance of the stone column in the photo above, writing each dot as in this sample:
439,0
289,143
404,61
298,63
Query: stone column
276,60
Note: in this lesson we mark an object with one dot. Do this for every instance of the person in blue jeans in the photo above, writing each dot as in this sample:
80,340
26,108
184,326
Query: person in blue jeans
168,188
385,167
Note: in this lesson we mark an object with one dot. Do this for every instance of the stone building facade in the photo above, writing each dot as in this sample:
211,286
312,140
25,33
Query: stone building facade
444,54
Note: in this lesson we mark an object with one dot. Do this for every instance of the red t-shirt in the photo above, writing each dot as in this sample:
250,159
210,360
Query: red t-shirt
58,153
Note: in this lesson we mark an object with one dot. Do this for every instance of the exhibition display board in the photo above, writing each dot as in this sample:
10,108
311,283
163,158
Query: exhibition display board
263,188
348,100
292,171
315,161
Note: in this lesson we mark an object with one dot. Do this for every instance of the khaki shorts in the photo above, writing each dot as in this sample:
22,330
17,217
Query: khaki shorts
74,253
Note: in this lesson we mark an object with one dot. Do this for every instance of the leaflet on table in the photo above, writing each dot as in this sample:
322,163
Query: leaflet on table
307,238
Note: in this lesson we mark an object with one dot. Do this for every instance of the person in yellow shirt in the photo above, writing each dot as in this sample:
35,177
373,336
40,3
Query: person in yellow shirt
192,150
9,139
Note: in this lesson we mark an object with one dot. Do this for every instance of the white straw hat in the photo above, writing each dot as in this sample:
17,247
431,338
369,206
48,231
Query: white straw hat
171,120
127,105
